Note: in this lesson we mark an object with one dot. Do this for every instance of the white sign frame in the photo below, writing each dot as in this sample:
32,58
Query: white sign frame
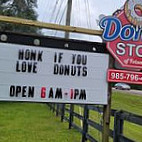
42,83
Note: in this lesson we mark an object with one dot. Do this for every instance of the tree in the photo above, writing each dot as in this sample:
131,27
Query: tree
19,8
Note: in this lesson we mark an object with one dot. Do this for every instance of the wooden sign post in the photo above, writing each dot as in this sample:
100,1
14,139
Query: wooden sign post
107,109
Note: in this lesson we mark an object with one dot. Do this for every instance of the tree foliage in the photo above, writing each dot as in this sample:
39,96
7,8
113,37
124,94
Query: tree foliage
18,8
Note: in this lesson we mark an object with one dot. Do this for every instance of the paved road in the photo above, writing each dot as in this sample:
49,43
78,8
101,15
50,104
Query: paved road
137,92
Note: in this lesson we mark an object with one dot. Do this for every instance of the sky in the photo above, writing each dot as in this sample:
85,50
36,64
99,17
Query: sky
85,13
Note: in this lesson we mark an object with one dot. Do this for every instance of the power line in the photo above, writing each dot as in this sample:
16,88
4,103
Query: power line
89,15
86,13
61,18
59,11
54,9
60,7
78,13
46,7
63,14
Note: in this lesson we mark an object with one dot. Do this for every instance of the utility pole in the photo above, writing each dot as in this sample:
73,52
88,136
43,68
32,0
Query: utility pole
68,17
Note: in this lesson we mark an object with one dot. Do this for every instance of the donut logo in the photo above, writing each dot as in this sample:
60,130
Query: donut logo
122,33
133,11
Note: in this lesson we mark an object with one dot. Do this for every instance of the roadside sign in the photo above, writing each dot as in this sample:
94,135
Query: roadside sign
122,33
124,76
49,74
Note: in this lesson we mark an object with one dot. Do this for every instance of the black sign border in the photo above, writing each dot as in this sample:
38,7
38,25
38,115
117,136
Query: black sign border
52,42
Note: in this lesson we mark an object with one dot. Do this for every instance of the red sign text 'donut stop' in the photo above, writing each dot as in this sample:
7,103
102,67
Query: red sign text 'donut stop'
123,34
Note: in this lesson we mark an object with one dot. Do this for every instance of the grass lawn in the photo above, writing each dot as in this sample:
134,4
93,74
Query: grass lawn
120,101
34,122
133,104
31,122
130,103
